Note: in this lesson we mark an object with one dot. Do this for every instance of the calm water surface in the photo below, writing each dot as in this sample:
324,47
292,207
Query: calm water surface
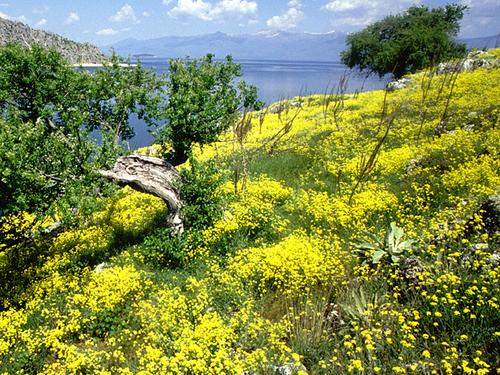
276,80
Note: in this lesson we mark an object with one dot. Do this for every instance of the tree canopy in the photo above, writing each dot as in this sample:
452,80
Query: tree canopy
203,101
48,111
404,43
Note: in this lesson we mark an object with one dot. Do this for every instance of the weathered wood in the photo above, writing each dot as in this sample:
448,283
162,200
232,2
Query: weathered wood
151,175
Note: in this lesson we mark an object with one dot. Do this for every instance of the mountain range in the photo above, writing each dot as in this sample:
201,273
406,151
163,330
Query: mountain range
264,45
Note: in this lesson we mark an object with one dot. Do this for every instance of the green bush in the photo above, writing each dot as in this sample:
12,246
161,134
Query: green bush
200,193
164,248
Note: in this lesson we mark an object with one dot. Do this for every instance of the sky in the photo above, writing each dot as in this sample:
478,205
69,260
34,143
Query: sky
107,21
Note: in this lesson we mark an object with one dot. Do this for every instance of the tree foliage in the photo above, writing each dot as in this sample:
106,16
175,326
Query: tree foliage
48,111
32,81
405,43
203,101
116,92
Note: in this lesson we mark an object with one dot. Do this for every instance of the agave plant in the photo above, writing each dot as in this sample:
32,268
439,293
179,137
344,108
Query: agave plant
393,246
362,305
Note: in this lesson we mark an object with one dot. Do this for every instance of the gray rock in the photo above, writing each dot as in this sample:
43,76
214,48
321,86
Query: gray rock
75,53
282,106
101,267
399,84
411,267
413,165
493,260
473,61
290,369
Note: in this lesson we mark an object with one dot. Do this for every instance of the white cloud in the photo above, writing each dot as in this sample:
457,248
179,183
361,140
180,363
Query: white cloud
146,14
126,13
194,8
358,13
42,22
72,17
167,2
108,31
289,19
209,12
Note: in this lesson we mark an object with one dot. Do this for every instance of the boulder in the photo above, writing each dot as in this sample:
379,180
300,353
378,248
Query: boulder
473,61
399,84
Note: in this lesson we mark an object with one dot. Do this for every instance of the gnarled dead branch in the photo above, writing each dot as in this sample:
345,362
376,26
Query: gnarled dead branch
150,175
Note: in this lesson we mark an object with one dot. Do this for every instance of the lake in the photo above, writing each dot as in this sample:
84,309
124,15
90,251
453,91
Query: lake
276,80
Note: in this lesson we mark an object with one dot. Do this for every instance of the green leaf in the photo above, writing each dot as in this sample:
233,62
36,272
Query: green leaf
395,258
377,256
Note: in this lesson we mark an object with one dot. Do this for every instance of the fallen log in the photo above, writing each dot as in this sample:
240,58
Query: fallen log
150,175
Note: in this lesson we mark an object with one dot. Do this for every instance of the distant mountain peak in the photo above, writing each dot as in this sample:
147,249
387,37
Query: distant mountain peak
265,44
267,33
326,33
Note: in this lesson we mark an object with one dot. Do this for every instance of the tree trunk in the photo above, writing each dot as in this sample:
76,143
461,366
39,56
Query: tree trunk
151,175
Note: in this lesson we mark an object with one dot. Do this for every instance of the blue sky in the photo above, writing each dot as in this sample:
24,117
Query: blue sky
104,22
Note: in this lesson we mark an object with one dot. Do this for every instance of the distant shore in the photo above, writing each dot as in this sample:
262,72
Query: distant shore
99,65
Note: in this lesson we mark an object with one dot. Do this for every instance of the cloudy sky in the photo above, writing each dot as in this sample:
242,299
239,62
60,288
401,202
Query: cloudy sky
106,21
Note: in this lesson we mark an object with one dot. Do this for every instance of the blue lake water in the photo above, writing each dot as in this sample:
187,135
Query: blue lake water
276,80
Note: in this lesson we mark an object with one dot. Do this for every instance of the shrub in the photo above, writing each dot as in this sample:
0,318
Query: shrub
202,198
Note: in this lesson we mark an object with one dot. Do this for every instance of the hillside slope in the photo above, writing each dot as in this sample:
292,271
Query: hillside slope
358,234
75,53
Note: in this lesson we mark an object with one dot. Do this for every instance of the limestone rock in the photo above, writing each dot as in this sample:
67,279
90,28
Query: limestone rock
75,53
473,61
399,84
290,369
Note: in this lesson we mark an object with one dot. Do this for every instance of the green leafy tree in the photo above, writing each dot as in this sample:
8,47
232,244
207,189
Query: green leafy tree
43,143
418,38
116,91
37,168
39,87
48,110
203,101
34,82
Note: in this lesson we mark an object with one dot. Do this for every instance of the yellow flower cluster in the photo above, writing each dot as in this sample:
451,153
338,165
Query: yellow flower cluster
293,266
252,213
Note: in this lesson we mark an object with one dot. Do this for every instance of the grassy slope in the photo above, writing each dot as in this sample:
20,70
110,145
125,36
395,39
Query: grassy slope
278,279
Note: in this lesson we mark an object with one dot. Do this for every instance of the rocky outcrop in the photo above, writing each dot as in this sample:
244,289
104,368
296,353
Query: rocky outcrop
399,84
473,61
75,53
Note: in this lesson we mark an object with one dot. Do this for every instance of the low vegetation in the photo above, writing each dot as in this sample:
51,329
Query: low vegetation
365,244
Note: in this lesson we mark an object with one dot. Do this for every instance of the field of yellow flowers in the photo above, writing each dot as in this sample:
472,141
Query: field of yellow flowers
356,234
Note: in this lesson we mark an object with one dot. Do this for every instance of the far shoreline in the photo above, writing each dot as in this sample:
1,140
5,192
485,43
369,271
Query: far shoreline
100,65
